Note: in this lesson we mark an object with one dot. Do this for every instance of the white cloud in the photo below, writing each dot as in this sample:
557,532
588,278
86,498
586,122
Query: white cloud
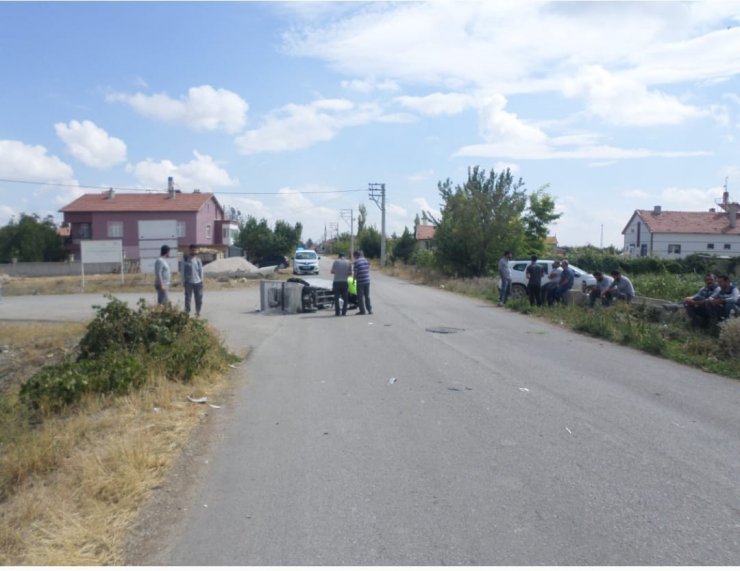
369,85
509,137
296,127
438,103
421,176
636,193
90,144
424,206
201,173
623,101
487,44
21,161
499,167
691,199
204,108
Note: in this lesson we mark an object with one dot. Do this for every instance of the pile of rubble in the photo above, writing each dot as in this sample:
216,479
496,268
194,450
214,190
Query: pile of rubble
235,267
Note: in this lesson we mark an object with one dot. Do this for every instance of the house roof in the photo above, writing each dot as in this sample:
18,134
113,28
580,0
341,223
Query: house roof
425,232
674,222
130,202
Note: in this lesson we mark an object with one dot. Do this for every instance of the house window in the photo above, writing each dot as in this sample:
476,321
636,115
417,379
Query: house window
728,247
85,230
710,246
225,234
115,229
674,248
208,231
181,229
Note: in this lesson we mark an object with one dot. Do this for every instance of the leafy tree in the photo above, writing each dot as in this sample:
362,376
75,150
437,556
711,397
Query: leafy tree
404,247
540,214
480,220
286,238
361,218
31,239
369,242
259,240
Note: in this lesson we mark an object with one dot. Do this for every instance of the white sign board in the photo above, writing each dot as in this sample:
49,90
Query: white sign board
101,251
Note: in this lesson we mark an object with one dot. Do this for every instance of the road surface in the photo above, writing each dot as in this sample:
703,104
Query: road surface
444,431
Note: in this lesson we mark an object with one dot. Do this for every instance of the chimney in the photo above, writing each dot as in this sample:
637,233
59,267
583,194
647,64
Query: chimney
171,187
109,194
732,213
656,210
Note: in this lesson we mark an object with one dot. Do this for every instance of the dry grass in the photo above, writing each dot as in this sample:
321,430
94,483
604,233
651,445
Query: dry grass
76,482
111,283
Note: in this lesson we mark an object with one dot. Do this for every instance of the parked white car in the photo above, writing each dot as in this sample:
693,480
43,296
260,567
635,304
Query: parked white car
583,279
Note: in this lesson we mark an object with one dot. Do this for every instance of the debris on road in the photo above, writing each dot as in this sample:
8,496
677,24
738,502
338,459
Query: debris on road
392,381
199,400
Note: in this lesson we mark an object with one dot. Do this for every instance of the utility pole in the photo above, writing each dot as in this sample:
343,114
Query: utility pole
377,195
348,212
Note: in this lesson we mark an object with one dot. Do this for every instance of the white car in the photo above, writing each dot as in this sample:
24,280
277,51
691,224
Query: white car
306,262
518,268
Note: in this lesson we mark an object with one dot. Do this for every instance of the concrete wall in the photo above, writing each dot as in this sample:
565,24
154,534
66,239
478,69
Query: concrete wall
48,269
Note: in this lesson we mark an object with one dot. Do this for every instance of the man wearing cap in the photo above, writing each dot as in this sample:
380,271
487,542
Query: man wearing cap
341,269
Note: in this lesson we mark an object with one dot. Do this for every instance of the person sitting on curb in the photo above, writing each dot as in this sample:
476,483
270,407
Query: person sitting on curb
698,307
621,289
565,284
725,300
553,277
602,284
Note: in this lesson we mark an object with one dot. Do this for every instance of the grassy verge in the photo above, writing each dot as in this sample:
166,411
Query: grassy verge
638,326
73,477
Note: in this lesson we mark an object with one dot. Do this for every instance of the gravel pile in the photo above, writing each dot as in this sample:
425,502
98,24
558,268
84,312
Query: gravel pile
231,266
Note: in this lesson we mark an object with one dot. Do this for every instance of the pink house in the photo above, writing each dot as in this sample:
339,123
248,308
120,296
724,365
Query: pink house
110,215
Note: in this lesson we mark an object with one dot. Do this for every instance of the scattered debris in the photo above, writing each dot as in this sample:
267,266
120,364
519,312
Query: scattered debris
214,405
524,389
569,430
233,366
199,400
392,381
155,409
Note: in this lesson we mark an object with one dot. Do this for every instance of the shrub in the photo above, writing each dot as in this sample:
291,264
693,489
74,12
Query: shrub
729,337
118,350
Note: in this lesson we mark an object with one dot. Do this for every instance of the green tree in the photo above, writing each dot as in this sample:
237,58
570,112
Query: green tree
255,237
480,220
540,214
286,238
31,239
403,247
361,218
369,242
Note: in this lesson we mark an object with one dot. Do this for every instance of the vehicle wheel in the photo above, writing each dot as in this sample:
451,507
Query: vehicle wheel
518,291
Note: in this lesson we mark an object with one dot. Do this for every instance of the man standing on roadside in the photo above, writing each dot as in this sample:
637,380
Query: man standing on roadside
341,269
533,273
505,274
362,277
162,275
192,279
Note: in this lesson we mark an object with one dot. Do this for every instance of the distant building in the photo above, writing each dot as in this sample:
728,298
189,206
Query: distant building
111,215
674,234
424,234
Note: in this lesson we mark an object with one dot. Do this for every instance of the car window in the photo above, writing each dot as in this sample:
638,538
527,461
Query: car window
305,256
519,267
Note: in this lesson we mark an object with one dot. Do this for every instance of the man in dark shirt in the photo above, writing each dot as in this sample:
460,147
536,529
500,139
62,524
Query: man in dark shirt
698,307
565,284
533,273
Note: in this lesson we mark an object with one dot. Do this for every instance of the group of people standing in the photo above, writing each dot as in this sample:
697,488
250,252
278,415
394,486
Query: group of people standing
192,278
357,271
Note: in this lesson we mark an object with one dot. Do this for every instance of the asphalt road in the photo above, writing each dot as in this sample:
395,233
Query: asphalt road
502,440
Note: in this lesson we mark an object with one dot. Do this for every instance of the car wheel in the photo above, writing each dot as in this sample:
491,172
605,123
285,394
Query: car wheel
518,291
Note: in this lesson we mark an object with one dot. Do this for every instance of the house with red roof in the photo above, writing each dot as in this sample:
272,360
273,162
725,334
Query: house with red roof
675,234
112,215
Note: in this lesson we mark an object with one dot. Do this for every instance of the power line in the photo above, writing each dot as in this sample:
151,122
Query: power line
122,188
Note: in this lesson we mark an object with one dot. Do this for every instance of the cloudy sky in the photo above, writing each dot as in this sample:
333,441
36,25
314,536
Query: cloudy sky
289,110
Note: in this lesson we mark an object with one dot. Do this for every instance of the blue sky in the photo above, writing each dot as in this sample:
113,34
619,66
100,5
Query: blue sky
615,106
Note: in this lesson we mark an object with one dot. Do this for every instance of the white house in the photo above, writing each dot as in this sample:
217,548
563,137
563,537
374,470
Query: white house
671,234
